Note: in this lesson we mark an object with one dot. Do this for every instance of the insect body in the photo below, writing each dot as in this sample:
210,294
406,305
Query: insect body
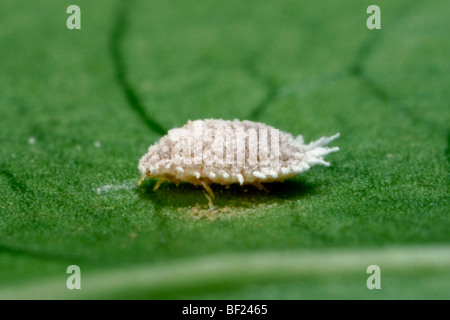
226,152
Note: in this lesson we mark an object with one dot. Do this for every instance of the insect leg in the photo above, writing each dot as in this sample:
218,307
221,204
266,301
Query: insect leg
210,202
207,188
158,183
259,185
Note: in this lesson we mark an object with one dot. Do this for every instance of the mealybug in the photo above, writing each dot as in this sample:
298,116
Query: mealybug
225,152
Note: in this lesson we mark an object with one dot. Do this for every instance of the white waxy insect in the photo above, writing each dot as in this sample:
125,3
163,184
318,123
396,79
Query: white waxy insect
226,152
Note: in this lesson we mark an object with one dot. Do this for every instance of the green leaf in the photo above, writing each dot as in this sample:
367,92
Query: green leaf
78,108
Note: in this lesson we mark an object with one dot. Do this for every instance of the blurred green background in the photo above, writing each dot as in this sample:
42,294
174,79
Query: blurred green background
78,108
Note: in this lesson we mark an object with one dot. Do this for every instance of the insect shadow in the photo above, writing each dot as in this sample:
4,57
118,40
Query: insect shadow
187,195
